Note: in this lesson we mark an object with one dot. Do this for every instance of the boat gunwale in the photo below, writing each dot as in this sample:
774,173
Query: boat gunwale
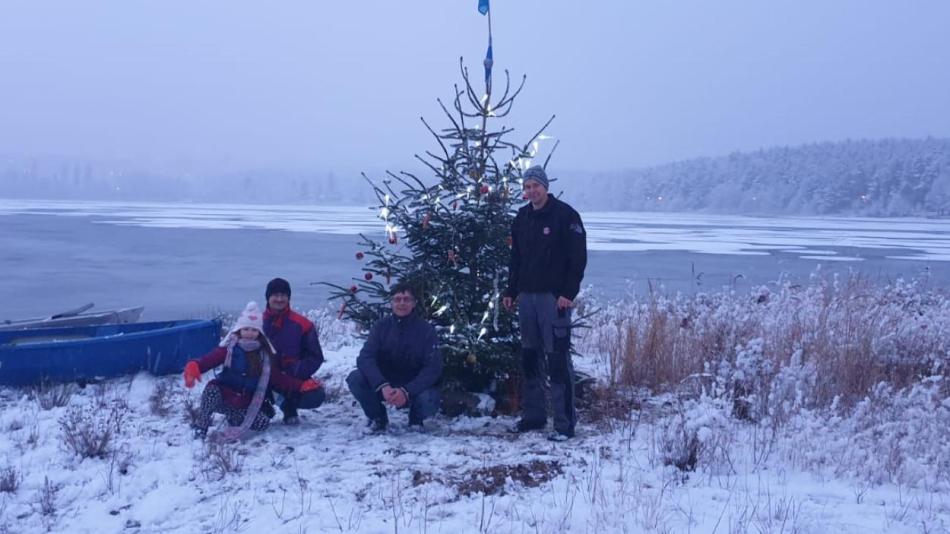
7,325
177,326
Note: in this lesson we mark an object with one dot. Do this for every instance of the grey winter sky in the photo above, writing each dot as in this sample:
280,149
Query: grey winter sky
340,85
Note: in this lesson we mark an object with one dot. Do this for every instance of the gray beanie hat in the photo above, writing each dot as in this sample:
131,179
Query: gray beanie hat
537,174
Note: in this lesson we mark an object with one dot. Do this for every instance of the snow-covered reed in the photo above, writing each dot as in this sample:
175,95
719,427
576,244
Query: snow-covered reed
845,374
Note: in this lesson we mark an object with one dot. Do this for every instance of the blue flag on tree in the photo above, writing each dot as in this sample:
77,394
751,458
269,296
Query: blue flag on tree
483,6
488,65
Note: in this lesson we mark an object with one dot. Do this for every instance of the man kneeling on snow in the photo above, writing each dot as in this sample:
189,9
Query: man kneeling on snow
298,349
400,364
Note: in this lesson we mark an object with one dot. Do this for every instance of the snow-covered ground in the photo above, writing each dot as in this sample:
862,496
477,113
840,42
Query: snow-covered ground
463,475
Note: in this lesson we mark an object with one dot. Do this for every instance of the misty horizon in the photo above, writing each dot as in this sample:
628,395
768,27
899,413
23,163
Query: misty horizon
883,177
228,87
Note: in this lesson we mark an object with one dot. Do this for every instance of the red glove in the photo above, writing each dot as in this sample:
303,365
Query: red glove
192,373
310,384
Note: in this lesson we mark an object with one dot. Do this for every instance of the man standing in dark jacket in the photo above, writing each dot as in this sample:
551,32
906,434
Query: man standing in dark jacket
400,364
298,349
548,257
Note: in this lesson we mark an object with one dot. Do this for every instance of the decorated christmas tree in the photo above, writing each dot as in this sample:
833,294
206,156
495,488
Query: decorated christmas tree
448,234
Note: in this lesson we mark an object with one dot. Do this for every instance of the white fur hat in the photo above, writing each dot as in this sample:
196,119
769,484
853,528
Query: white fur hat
251,317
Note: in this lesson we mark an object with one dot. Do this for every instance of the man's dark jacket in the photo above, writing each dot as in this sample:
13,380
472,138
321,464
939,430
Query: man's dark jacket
548,250
403,352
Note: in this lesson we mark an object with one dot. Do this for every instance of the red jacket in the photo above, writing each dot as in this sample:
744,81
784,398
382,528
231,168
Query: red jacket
295,338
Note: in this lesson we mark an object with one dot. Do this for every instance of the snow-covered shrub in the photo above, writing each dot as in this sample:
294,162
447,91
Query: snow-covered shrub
747,380
87,431
120,461
220,459
790,386
677,445
698,435
46,499
49,396
9,479
114,401
892,435
160,401
334,332
31,435
904,435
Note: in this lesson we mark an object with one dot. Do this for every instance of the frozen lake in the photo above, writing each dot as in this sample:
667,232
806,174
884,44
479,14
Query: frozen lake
193,259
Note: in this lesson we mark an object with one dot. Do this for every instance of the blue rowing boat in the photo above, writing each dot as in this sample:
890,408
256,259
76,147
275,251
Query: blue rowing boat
90,353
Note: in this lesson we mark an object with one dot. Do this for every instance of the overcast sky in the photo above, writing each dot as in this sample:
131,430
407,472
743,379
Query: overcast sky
340,84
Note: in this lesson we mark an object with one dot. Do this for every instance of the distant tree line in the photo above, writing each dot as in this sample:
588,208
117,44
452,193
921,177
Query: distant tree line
888,177
61,178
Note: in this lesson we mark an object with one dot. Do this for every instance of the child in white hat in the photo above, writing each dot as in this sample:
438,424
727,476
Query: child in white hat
239,391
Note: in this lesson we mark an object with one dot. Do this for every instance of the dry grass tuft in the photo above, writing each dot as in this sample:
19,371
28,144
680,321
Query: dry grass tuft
840,338
10,479
49,396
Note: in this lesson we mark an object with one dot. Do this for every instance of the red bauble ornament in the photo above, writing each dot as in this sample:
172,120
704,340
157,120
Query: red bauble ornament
393,239
368,276
353,289
359,255
484,189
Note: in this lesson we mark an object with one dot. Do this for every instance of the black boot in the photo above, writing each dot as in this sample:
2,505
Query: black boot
378,426
290,416
527,425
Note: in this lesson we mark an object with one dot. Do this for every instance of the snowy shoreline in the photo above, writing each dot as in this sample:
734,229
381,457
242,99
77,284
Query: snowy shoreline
880,464
326,476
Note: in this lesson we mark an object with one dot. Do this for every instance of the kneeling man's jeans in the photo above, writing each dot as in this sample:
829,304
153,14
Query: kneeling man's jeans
421,406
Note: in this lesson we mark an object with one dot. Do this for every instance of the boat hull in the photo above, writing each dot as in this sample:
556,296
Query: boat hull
85,354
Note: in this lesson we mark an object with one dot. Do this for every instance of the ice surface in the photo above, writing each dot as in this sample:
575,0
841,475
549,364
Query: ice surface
607,231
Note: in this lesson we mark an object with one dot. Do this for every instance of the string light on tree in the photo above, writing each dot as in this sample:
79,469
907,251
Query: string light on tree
454,221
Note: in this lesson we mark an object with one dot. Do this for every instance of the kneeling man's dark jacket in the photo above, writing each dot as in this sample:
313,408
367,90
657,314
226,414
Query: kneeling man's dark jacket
403,352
